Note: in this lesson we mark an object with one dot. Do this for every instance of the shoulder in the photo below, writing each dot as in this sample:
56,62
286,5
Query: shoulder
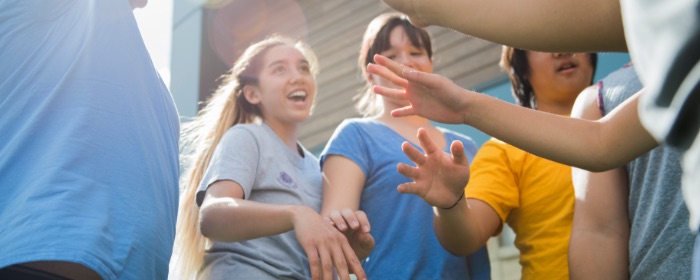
244,133
354,126
356,123
496,147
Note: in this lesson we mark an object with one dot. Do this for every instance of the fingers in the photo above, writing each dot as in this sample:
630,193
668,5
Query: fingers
426,143
406,170
338,220
412,153
458,155
351,261
393,66
408,188
350,218
327,260
314,261
427,80
363,220
387,73
399,94
403,112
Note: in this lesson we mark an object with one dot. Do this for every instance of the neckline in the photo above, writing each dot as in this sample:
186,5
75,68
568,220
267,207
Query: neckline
294,155
416,145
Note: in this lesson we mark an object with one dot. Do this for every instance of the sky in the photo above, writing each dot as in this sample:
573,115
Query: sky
155,21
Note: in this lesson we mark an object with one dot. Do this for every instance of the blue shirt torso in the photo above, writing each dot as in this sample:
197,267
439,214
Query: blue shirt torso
402,225
88,140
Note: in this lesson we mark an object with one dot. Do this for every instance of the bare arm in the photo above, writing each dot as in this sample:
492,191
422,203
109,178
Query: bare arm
226,216
467,227
592,145
598,248
439,178
543,25
342,188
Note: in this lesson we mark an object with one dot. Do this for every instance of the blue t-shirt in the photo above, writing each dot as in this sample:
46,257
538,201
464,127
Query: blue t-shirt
402,225
88,140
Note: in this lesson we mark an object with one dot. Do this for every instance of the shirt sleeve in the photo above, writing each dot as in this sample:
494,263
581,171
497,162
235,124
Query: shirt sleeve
347,141
235,158
494,178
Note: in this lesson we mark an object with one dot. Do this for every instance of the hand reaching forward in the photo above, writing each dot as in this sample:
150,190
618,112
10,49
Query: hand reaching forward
355,226
431,96
439,178
325,246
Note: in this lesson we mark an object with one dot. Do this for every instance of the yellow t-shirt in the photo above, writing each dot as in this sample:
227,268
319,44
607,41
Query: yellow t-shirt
535,197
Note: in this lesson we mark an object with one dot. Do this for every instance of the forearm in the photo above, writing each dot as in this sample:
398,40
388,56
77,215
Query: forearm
458,229
231,220
591,145
544,25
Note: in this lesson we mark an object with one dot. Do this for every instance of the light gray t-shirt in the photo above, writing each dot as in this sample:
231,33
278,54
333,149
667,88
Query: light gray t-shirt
660,244
256,158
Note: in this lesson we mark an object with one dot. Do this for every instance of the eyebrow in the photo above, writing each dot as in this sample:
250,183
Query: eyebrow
303,61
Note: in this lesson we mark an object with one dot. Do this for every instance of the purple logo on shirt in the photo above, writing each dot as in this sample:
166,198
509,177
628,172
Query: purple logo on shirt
287,180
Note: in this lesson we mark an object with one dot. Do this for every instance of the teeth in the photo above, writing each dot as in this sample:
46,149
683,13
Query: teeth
298,94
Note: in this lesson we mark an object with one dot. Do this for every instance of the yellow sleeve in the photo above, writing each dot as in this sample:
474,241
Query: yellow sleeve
495,176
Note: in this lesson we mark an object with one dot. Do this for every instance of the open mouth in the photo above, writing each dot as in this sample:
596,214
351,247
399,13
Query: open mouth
566,66
299,96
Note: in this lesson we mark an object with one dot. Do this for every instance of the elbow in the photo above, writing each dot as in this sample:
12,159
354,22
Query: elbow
211,227
205,227
459,248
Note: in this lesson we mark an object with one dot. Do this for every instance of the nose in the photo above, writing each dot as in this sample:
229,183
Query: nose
297,77
405,60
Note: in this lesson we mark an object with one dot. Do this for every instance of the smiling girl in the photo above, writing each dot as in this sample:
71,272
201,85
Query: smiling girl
257,189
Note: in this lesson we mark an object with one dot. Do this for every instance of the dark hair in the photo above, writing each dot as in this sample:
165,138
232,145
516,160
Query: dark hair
377,40
514,62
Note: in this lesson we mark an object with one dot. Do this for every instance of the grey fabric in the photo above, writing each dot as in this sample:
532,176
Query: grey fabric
269,172
661,244
664,41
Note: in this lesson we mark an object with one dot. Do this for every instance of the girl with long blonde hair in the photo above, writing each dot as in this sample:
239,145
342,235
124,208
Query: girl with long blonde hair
257,189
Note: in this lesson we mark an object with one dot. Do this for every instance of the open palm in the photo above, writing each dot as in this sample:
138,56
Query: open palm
438,177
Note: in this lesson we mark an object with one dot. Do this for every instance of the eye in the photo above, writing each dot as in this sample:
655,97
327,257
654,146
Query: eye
305,69
392,57
279,69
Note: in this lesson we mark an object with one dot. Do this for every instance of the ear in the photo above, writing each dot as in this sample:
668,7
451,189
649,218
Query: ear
252,94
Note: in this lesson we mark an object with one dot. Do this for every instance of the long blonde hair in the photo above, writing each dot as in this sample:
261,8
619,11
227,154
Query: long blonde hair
226,108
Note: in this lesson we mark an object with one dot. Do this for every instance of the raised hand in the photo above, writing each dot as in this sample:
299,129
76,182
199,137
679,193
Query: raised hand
431,96
439,178
325,246
355,226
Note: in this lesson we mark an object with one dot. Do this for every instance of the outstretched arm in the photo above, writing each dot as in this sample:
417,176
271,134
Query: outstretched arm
461,225
225,216
543,25
598,248
592,145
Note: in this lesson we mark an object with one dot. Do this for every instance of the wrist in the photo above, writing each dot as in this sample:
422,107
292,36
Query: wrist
297,213
469,99
461,197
